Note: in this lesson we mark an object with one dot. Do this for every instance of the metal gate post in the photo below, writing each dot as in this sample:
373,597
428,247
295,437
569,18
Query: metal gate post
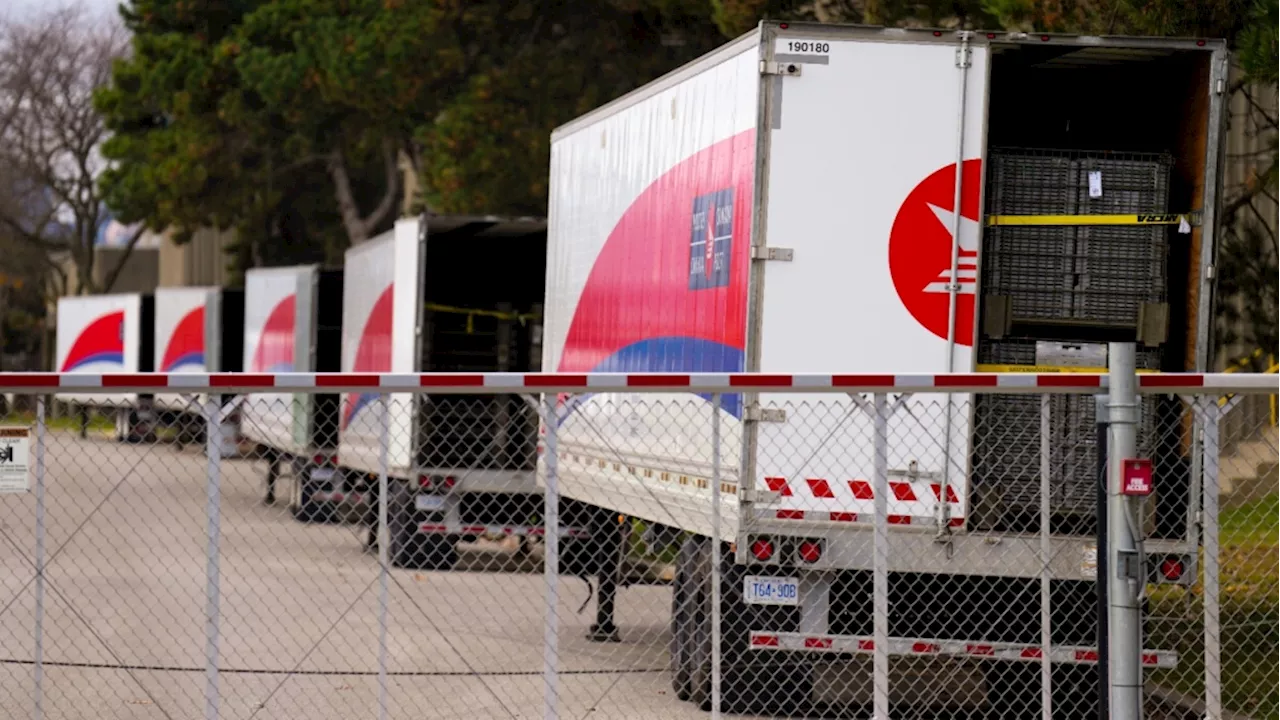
39,629
880,572
551,564
213,499
384,554
717,557
1126,580
1209,418
1046,556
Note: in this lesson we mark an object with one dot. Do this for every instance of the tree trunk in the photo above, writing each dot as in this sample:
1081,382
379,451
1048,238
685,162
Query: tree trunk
358,228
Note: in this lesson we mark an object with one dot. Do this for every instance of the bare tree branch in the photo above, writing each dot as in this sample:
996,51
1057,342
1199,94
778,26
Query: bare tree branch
110,281
359,228
50,131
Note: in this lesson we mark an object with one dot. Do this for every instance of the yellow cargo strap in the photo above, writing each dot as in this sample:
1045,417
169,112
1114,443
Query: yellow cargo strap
1192,219
996,368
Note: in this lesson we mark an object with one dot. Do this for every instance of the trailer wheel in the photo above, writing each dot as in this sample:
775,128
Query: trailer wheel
308,510
683,599
748,682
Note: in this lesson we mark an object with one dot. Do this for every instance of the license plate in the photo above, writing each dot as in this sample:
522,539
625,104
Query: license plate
758,590
428,502
323,475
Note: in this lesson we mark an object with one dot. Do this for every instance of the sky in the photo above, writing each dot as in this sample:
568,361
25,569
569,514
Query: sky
21,7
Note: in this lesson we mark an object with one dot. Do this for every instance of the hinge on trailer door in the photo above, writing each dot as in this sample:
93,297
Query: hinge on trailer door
755,413
759,252
963,55
768,67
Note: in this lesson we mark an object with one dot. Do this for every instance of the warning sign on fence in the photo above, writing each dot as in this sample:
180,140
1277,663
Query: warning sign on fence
15,467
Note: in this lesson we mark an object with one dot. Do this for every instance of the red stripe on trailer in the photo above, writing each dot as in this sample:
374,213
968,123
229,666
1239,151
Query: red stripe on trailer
1150,659
818,643
135,380
790,515
956,522
862,381
861,490
764,640
899,519
844,517
980,650
820,488
778,485
902,491
433,529
1171,380
1086,656
1031,653
658,381
866,644
951,493
555,380
752,380
965,380
1069,380
430,380
925,648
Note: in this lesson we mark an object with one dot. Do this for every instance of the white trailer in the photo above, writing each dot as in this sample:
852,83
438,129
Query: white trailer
197,330
445,294
108,334
292,323
813,198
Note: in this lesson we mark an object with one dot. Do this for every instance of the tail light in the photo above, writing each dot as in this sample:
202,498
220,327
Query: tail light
810,551
437,482
1172,569
762,549
323,460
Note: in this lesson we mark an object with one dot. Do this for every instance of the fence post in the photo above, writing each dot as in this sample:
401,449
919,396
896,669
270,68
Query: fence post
39,620
717,557
1210,419
880,566
1046,556
384,554
1126,622
213,499
551,564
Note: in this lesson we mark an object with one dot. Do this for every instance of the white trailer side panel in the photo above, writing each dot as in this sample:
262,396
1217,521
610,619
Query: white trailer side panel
862,156
279,336
379,320
648,252
99,334
186,337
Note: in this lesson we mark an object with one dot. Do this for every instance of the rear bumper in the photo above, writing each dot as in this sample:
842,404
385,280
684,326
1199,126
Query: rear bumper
925,648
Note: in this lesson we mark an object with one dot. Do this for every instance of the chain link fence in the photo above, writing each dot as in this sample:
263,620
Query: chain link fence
513,547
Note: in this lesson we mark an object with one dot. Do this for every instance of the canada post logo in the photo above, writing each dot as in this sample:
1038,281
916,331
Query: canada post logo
711,240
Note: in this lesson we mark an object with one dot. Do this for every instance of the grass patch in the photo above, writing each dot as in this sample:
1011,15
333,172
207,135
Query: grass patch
97,422
1250,601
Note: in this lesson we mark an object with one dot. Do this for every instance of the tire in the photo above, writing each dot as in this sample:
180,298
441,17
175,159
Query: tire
749,682
683,599
307,509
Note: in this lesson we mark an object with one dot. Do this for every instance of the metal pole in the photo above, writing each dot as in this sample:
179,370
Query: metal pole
716,556
213,499
39,658
1126,631
1102,582
953,287
384,550
1046,556
880,571
1209,418
551,566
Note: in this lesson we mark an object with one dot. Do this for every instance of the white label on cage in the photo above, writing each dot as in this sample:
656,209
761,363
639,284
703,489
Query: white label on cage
1095,183
1184,227
15,470
1089,562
